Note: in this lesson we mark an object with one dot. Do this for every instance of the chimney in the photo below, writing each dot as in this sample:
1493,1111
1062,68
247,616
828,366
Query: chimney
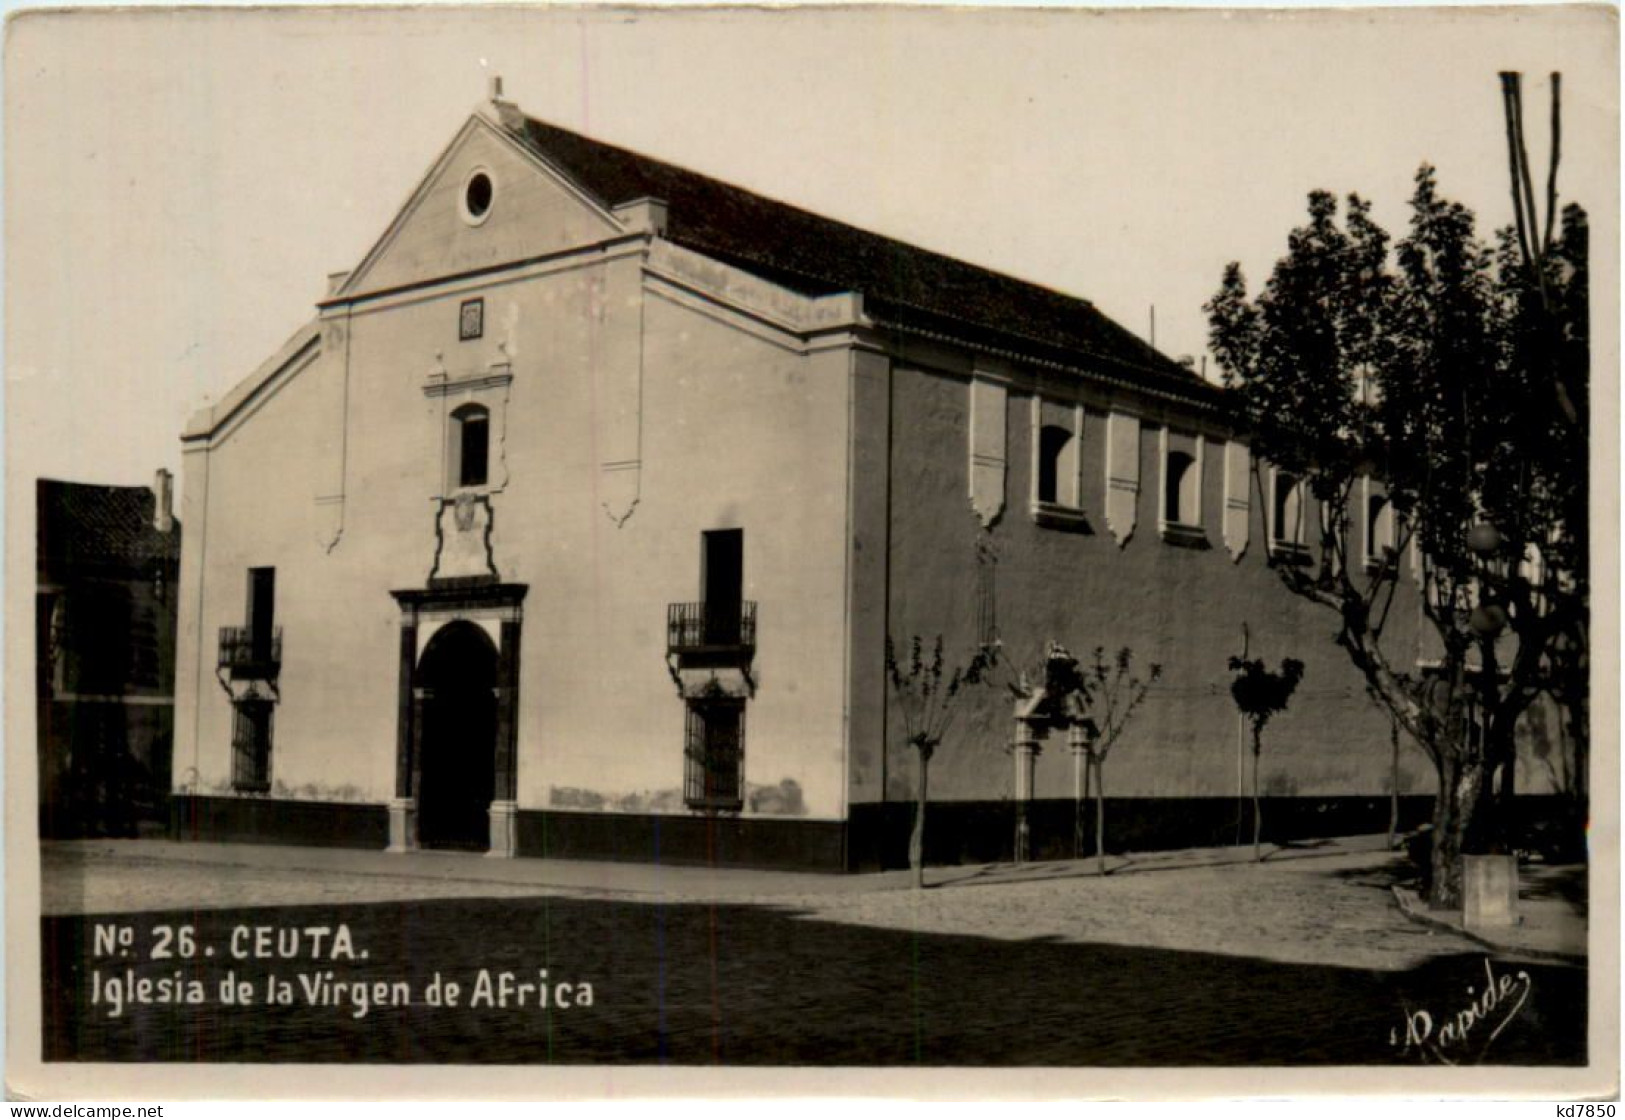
506,111
163,491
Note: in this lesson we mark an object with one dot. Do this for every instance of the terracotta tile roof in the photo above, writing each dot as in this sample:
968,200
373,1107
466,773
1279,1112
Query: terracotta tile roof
903,285
84,526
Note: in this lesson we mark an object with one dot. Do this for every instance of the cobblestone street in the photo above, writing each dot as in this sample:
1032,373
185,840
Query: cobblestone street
1297,960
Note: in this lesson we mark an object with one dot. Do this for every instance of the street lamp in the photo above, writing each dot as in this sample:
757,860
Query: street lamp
1484,539
1490,880
1488,620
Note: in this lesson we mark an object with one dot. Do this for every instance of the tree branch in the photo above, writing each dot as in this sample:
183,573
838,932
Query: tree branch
1551,173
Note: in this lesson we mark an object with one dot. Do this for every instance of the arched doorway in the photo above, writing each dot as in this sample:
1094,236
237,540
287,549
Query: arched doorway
458,675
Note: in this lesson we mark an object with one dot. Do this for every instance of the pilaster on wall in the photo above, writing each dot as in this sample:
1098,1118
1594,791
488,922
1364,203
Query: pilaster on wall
1237,497
1122,473
331,449
190,647
868,555
989,390
616,326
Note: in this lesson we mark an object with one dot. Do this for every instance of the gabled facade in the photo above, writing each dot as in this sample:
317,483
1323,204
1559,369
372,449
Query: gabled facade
575,522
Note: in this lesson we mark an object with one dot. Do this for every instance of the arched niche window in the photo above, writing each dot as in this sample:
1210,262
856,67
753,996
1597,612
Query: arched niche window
470,446
1052,444
1286,527
1179,490
1379,530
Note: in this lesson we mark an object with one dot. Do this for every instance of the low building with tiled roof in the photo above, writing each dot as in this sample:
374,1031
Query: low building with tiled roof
577,518
107,567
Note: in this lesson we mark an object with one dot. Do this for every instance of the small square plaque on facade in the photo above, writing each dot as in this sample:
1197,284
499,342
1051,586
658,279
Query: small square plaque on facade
471,320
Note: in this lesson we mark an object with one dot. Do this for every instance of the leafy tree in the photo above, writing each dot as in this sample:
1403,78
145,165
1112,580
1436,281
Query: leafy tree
925,691
1259,695
1433,374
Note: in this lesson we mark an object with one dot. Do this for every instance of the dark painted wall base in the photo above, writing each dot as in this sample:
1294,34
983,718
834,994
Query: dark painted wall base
783,843
876,837
984,831
263,820
786,842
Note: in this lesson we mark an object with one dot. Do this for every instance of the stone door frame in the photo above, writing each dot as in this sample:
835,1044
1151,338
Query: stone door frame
496,608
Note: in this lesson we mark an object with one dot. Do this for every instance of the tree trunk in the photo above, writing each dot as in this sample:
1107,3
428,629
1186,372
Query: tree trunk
916,841
1100,818
1393,784
1499,821
1258,819
1454,829
1580,740
1578,785
1081,791
1241,773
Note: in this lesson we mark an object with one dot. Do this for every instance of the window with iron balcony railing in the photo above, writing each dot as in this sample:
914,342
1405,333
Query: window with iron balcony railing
250,654
711,627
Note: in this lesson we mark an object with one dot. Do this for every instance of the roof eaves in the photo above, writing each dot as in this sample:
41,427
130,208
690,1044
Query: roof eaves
1197,393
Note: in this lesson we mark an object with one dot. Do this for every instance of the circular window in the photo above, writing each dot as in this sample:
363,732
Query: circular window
477,193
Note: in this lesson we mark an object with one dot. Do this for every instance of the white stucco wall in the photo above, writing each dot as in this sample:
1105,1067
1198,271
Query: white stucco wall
739,429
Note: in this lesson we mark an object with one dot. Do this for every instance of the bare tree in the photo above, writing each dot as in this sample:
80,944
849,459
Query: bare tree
926,691
1112,693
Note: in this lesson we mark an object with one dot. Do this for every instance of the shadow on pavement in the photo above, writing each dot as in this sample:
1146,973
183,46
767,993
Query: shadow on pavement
1567,883
756,985
1382,876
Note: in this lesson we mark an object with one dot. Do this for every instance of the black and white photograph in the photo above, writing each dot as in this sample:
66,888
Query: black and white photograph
910,551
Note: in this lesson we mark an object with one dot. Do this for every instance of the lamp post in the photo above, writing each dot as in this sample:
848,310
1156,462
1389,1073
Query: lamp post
1487,621
1490,881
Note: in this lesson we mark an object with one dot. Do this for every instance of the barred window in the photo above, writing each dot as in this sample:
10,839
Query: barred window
715,755
251,746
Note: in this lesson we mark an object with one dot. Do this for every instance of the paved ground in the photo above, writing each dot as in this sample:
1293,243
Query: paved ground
1551,922
1329,902
1184,958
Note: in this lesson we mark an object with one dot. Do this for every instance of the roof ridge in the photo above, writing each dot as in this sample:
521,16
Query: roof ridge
828,254
911,246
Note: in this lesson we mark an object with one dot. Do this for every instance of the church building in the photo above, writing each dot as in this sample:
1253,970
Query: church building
576,519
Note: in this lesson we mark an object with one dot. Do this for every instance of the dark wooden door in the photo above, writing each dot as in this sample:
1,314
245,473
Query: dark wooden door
722,581
458,773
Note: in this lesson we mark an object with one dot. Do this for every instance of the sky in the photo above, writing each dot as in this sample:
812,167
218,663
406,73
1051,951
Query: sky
178,184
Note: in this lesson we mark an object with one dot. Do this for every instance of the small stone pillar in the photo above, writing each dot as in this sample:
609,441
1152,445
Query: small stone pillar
403,824
1025,750
504,835
1489,891
1078,745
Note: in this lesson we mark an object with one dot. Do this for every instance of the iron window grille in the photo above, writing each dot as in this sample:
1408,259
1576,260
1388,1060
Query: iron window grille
251,745
715,756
